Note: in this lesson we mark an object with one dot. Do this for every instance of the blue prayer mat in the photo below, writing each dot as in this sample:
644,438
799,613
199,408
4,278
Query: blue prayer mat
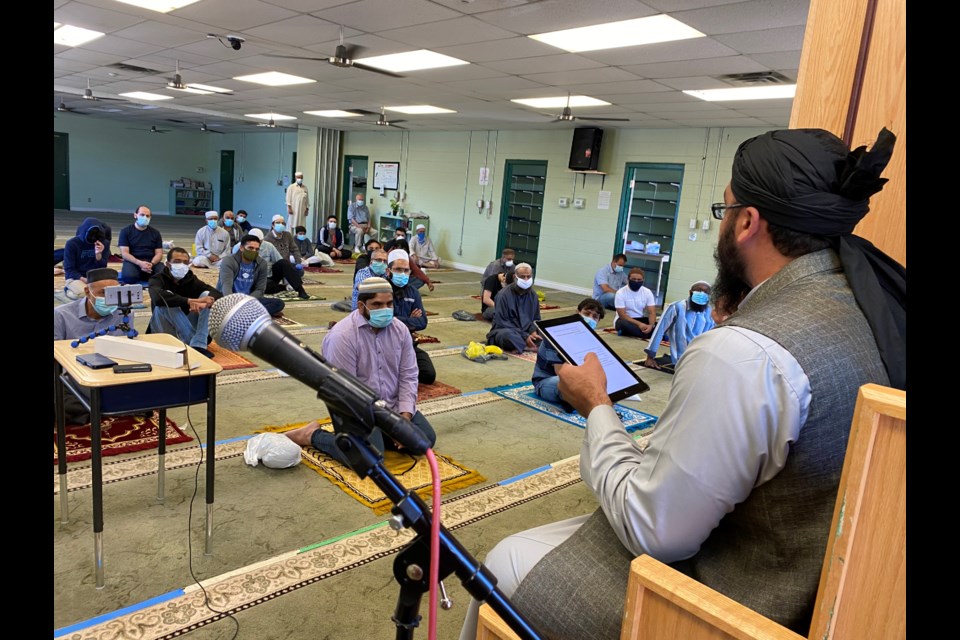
524,393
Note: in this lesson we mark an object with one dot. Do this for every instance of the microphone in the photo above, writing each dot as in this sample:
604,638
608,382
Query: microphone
240,323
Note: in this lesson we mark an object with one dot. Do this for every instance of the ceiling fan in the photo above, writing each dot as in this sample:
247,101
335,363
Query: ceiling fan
63,107
343,57
152,129
383,122
88,94
176,82
206,129
567,116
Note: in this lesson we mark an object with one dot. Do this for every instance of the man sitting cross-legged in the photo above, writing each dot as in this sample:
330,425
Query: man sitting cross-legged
375,347
181,302
517,309
246,272
408,309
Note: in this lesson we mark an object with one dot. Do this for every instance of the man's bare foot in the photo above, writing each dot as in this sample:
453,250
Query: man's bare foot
302,435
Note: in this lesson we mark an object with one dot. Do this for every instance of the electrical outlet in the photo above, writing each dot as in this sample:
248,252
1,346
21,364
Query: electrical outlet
489,205
578,203
480,203
564,203
693,223
706,224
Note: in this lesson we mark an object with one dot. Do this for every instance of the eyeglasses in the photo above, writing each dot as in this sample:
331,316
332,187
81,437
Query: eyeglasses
399,270
719,209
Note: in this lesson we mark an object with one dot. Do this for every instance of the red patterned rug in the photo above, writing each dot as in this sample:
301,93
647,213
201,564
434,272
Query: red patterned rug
120,434
435,390
345,261
419,338
548,307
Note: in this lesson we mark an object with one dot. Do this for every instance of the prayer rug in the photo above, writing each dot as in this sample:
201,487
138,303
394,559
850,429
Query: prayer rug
228,359
436,390
430,313
479,316
529,356
345,261
548,307
524,393
119,434
293,296
322,270
412,471
419,338
284,321
476,297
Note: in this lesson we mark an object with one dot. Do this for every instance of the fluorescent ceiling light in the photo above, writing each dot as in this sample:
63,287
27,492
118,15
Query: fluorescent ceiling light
411,61
163,6
72,36
625,33
208,88
269,116
144,95
333,113
274,79
561,101
746,93
419,108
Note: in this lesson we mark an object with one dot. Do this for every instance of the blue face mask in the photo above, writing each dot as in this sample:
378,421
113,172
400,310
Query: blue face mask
143,221
212,224
301,236
241,218
228,222
279,227
421,235
378,268
590,321
381,318
699,297
401,279
617,269
102,308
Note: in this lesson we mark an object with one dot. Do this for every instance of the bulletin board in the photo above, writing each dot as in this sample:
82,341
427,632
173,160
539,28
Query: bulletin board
386,175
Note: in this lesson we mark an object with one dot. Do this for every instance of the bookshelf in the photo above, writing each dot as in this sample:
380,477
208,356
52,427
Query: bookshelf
190,201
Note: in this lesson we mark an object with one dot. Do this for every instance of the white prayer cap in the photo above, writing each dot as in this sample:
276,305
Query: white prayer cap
277,218
257,232
298,173
420,226
701,282
211,214
374,284
397,254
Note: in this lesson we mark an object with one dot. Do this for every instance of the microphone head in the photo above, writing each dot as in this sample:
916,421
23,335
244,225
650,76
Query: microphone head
235,319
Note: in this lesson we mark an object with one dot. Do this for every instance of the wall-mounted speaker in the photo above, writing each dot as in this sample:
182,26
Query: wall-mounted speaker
585,151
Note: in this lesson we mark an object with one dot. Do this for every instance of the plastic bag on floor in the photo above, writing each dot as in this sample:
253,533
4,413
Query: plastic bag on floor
274,450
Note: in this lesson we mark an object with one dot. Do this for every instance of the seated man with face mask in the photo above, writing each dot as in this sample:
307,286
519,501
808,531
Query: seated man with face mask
375,347
681,322
181,302
517,308
545,378
636,307
408,309
377,267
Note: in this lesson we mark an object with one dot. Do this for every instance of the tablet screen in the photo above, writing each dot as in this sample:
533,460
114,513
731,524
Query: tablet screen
574,339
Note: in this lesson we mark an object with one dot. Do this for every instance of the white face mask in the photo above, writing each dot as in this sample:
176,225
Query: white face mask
331,225
299,180
359,203
508,263
524,284
179,271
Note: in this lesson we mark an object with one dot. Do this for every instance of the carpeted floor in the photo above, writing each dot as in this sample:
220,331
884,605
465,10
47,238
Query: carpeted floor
118,434
293,557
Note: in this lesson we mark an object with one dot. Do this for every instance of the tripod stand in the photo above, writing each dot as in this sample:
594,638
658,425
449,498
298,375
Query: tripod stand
412,565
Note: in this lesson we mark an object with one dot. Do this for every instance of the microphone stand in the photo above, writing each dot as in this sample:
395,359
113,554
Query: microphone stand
411,569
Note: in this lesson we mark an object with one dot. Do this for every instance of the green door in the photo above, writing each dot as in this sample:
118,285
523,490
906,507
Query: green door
521,209
226,181
61,171
354,182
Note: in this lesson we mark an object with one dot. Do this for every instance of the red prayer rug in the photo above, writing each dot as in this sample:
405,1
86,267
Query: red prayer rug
119,434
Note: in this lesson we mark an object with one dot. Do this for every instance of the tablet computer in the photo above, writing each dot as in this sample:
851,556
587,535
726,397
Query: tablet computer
573,339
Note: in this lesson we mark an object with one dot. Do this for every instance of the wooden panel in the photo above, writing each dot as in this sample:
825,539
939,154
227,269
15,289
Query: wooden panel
862,589
491,627
664,604
831,43
884,104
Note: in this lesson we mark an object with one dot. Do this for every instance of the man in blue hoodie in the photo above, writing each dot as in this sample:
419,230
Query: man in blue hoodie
89,249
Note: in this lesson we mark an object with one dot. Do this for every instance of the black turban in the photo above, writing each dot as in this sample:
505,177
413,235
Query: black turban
808,181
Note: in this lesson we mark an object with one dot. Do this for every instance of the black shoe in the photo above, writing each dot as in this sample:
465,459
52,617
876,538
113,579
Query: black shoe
205,352
566,406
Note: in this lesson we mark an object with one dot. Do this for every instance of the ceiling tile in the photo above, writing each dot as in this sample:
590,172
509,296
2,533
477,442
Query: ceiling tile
691,49
566,78
752,15
711,66
783,39
374,15
777,60
90,57
234,14
694,83
724,121
298,31
631,86
444,33
544,64
670,6
553,15
480,6
449,74
308,6
157,33
501,87
121,46
508,49
83,15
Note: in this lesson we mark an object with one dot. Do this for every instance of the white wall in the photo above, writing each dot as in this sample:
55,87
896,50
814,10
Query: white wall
441,172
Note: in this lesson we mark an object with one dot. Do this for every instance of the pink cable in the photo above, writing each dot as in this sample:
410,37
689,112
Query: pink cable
434,545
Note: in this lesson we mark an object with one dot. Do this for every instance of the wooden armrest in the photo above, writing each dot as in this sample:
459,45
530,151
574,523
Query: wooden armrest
663,603
490,626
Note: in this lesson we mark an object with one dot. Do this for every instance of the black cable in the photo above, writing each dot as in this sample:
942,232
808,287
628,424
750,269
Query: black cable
196,477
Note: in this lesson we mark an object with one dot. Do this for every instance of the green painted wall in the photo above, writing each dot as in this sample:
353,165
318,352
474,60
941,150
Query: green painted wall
441,171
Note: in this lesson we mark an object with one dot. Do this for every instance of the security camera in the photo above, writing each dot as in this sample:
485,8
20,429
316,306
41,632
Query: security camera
236,42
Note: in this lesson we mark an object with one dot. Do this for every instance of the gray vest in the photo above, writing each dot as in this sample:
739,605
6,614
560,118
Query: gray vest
767,553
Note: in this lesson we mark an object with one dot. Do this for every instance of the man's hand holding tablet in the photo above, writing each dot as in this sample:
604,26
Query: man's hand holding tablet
584,386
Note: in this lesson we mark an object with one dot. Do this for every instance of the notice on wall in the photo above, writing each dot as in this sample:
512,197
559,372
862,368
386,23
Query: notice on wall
484,176
603,200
